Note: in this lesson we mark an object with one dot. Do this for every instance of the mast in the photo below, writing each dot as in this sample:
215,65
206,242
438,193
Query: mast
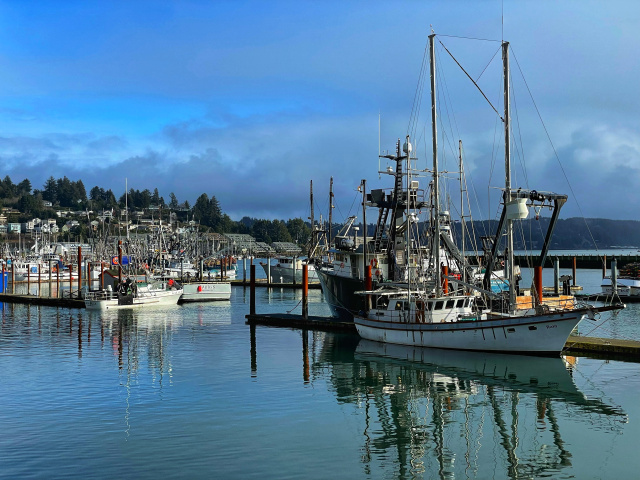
364,227
462,190
330,212
507,169
313,228
434,135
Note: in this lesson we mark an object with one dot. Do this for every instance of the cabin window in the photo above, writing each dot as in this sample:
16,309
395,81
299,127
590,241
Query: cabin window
451,303
460,303
439,305
511,330
532,327
399,305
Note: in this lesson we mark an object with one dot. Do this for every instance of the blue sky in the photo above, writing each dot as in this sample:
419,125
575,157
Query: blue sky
249,101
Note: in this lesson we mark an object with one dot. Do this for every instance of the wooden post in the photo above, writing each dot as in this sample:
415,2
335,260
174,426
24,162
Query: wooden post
604,266
305,291
79,272
58,280
305,356
13,277
537,282
556,276
70,279
574,271
445,281
268,270
252,291
28,278
50,278
39,277
614,275
101,275
2,287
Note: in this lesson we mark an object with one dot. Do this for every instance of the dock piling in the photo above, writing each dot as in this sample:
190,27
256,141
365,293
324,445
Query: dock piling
537,283
252,291
305,291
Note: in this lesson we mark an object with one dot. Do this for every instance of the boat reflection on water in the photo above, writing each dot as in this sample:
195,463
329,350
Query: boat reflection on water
430,411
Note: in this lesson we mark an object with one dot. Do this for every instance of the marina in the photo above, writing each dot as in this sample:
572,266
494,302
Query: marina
191,390
464,304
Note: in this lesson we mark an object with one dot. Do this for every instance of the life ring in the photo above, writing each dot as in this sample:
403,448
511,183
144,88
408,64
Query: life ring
502,263
342,265
377,273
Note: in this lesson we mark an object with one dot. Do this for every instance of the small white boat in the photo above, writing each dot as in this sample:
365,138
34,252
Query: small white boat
132,295
206,292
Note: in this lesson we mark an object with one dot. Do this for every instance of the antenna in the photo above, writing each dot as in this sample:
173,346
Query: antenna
379,145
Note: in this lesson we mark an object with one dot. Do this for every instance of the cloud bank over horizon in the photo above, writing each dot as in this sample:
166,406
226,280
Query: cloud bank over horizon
249,103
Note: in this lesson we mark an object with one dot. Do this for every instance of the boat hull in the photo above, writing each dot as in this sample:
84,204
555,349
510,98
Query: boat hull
206,292
111,302
339,293
541,335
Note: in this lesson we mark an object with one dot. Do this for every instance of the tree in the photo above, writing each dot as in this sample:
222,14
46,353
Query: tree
173,201
24,187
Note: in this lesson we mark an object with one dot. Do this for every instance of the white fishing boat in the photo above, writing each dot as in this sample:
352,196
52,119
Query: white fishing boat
624,283
206,292
131,294
428,314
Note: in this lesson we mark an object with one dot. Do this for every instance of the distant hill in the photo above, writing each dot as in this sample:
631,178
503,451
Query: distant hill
570,233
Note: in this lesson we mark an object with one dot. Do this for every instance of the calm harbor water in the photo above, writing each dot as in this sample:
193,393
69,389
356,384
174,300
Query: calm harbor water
192,392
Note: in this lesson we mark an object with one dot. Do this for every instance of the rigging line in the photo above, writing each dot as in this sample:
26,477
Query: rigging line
415,109
487,66
468,38
564,173
472,80
448,97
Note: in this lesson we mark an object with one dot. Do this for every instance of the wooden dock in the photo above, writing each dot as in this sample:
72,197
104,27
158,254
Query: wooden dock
605,347
46,301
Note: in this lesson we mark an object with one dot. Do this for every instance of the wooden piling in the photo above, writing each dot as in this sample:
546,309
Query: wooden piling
79,272
58,281
445,280
252,291
604,266
305,291
537,282
574,271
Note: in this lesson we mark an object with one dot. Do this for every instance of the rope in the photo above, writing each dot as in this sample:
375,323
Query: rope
564,173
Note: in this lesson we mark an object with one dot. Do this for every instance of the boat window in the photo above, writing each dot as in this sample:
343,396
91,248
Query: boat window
511,330
451,303
399,305
429,305
460,303
532,327
438,305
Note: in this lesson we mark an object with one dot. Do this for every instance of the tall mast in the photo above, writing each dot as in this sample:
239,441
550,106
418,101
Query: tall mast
434,135
330,212
462,191
313,228
507,170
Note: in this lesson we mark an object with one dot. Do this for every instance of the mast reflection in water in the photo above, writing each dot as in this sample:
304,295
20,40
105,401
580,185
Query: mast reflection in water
451,414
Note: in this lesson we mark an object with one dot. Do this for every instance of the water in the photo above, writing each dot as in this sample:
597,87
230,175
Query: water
192,392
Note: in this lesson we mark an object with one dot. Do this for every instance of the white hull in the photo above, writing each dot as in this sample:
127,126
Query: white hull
110,301
206,292
542,334
286,274
625,286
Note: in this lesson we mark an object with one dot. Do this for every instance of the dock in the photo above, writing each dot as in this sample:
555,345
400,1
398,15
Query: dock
604,347
46,301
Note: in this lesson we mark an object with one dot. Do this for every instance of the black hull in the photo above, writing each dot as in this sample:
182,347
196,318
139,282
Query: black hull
339,293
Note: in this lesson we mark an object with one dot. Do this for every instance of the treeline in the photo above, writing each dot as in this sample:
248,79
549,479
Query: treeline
206,213
574,233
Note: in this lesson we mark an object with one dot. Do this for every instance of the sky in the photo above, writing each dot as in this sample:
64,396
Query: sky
250,101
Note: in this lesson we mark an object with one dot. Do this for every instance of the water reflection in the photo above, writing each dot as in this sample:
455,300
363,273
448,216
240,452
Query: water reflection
430,411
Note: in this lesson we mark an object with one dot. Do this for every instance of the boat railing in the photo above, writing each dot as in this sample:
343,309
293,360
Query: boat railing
101,295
